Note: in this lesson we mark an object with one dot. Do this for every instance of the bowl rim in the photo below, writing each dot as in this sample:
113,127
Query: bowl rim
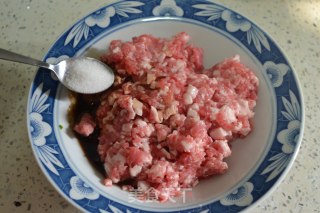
293,72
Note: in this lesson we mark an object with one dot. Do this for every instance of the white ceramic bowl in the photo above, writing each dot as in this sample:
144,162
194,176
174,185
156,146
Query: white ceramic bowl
258,162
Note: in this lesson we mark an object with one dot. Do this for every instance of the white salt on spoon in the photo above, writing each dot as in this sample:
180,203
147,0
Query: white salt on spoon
81,74
87,75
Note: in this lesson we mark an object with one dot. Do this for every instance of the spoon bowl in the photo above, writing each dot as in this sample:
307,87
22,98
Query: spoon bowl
79,74
84,75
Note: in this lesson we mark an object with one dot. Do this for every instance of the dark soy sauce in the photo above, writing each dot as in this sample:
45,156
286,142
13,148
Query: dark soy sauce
87,104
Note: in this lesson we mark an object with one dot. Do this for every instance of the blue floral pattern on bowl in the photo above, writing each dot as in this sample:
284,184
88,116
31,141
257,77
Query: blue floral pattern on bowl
233,23
276,72
289,101
167,8
288,137
240,197
40,130
80,190
101,19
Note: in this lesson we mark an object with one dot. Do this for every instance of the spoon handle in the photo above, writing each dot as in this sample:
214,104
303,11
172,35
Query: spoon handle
11,56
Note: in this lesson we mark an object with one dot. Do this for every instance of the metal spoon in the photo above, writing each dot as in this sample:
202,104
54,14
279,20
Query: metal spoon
81,74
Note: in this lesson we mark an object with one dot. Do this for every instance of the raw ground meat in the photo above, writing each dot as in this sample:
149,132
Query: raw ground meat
167,122
86,125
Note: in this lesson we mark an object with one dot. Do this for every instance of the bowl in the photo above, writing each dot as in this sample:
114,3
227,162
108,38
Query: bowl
258,163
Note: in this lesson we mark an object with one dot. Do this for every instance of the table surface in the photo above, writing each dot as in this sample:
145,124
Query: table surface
31,26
